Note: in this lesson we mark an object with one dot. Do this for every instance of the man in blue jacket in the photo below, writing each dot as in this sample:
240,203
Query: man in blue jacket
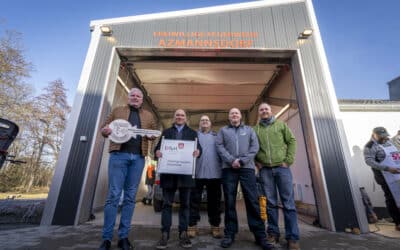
237,146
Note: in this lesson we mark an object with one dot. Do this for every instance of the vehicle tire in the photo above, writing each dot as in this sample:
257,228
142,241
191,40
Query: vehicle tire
157,205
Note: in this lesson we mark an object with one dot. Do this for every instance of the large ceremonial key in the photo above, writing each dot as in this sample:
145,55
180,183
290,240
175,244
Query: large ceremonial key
122,131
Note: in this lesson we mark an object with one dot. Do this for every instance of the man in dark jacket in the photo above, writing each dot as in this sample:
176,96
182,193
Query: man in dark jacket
170,182
237,145
382,156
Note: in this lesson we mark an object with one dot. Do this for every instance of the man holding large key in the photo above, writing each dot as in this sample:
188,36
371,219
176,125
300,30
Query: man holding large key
125,168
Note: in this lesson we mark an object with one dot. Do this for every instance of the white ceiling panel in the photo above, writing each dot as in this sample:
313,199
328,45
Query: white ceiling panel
203,85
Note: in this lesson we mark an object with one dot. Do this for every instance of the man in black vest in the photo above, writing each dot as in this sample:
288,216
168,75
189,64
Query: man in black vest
171,182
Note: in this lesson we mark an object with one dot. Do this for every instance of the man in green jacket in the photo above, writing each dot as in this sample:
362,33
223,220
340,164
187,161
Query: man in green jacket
276,154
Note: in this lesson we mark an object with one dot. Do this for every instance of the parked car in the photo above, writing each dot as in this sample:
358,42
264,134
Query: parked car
158,200
8,132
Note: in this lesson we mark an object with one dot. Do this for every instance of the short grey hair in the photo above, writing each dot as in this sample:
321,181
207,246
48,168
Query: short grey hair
264,103
136,90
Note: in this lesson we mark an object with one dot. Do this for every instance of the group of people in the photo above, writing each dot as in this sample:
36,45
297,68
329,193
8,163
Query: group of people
224,159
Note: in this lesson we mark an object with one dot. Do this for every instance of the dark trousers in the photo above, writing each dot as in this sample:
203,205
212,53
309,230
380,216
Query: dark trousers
166,214
390,202
391,206
230,179
213,187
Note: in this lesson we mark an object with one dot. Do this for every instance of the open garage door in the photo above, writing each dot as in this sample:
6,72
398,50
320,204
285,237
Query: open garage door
212,86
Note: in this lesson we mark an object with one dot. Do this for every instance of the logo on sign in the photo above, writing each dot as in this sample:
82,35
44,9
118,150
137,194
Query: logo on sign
395,156
181,145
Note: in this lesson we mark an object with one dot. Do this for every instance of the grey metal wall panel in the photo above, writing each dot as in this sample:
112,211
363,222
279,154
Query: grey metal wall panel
72,183
333,161
268,28
93,171
279,28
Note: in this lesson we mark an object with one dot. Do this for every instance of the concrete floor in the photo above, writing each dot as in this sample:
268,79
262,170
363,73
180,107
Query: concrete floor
145,234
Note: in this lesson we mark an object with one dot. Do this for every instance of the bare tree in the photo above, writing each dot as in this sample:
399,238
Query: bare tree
14,92
41,119
50,111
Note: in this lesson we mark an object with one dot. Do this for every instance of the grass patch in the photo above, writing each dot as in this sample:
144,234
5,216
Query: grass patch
35,193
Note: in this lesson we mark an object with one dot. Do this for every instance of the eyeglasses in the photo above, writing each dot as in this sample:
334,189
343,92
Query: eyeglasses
204,120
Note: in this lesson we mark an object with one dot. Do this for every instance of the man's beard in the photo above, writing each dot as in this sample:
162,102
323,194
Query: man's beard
382,140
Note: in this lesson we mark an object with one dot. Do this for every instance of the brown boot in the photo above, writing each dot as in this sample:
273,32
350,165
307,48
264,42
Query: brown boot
192,231
293,245
372,219
397,227
216,232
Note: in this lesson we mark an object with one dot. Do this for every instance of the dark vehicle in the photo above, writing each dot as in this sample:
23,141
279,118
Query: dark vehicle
157,196
8,132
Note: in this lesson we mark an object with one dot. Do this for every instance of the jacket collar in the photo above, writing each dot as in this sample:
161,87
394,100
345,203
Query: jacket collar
240,125
130,107
267,123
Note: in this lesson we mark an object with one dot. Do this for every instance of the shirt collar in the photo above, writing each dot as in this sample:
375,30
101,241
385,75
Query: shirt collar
179,127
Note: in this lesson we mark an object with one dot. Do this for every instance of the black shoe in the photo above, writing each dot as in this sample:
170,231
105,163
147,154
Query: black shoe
105,245
163,243
124,244
144,200
227,241
264,244
184,240
272,239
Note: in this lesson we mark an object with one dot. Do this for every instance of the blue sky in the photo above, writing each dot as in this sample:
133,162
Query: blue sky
361,37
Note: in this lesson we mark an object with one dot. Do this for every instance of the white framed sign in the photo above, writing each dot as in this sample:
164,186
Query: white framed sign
177,157
393,180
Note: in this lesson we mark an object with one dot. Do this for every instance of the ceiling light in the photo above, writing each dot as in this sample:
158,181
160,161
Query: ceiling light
305,34
106,30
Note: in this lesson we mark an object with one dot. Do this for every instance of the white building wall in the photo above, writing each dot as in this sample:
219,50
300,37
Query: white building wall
358,128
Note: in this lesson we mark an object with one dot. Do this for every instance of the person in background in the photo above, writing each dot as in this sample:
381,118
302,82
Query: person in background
276,155
150,180
237,145
396,140
208,174
125,168
383,157
171,182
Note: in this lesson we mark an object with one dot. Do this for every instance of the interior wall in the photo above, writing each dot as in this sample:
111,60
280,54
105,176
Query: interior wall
302,183
120,99
279,93
102,181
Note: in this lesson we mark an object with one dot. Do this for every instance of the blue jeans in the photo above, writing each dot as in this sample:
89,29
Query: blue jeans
230,179
124,173
280,179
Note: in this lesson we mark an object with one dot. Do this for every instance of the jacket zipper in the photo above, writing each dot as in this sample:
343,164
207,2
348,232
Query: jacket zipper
237,142
269,147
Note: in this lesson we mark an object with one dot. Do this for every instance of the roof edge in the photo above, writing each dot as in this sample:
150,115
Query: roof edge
368,105
190,12
394,80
